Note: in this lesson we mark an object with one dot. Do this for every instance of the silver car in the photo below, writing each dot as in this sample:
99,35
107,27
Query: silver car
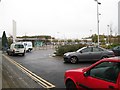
90,53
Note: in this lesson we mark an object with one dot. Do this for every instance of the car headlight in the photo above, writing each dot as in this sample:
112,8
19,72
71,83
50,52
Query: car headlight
66,54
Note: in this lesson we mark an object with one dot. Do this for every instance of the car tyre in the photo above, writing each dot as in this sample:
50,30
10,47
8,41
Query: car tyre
73,60
23,54
8,53
70,85
13,53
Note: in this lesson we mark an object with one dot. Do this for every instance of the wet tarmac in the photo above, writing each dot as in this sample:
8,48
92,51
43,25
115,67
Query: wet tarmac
12,77
44,65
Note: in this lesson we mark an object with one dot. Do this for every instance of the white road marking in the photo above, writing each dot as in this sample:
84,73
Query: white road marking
38,79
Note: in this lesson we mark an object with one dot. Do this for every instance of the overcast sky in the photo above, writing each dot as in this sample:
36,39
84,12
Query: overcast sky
58,18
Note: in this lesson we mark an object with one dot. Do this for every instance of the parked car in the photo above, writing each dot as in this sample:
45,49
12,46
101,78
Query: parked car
103,75
16,48
90,53
116,50
28,46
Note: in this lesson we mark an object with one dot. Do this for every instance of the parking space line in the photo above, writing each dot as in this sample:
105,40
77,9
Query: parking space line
38,79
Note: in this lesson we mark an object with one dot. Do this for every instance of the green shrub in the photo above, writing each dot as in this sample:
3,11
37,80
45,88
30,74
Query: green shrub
60,50
113,45
110,46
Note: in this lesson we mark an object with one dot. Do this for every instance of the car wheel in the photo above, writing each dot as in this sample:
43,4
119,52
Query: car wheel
13,54
70,85
23,54
28,50
8,53
74,60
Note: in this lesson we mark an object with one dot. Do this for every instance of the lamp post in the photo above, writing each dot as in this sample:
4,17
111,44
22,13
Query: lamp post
98,3
108,33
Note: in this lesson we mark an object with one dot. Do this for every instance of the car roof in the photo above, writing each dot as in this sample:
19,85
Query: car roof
112,59
93,46
17,43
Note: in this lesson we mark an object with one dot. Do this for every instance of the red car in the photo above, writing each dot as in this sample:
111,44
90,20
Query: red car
103,75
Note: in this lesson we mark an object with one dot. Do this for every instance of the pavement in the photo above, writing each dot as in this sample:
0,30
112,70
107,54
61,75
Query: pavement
15,78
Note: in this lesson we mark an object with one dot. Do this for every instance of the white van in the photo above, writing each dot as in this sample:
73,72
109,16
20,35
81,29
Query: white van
28,46
16,48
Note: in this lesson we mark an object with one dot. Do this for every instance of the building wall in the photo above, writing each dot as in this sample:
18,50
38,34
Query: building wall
119,18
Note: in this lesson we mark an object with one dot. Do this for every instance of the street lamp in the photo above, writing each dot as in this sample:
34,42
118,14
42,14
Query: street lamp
98,3
108,33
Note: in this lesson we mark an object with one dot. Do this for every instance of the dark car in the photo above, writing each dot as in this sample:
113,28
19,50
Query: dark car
116,50
90,53
103,75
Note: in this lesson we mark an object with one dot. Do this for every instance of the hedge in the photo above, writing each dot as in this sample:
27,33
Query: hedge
60,50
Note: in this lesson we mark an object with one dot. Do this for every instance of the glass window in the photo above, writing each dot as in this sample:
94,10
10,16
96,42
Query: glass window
97,49
86,50
107,71
119,48
19,46
116,48
25,44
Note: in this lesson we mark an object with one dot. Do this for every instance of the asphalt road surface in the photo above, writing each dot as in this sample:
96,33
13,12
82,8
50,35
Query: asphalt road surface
44,65
12,77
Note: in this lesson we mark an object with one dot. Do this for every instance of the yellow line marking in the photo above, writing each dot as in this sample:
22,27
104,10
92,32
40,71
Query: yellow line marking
38,79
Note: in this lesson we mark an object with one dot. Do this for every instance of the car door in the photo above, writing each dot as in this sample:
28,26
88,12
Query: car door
85,54
96,53
103,76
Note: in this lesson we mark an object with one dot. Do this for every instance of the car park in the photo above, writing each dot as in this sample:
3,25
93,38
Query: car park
90,53
102,75
116,50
